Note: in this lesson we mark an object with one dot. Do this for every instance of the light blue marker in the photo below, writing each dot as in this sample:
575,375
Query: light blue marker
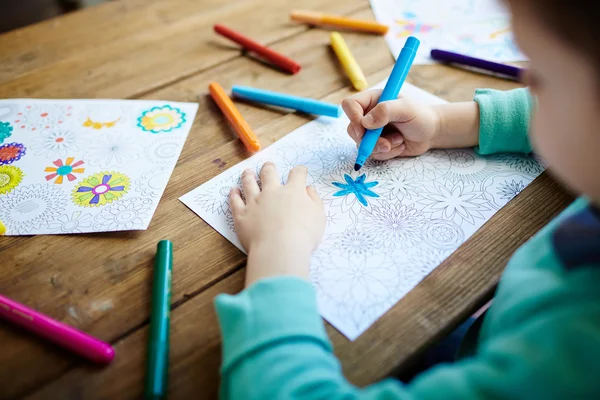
303,104
390,92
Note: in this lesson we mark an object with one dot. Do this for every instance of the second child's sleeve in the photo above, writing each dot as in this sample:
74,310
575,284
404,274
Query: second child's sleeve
504,120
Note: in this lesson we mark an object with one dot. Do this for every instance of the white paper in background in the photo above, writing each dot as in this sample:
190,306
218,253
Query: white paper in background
478,28
388,225
75,166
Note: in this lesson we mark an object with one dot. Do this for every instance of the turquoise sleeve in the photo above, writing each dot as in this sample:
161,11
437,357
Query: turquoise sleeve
504,121
275,347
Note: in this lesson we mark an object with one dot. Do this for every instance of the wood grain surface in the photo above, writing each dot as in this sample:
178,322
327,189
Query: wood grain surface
100,283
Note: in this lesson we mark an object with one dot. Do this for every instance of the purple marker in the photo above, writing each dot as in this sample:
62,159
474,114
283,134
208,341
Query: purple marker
455,58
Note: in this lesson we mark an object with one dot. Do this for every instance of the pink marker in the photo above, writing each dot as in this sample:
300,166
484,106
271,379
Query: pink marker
70,338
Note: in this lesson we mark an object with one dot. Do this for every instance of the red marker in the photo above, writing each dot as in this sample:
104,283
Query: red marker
274,57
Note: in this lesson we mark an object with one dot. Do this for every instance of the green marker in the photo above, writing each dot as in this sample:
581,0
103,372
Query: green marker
157,367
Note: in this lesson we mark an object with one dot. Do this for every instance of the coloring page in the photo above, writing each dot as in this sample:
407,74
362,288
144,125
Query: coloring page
76,166
389,224
477,28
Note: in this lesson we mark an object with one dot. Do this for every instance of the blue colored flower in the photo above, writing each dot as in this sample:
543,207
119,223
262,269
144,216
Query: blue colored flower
358,188
161,119
5,131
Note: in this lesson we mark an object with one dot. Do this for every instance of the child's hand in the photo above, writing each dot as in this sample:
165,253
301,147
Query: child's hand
279,226
409,128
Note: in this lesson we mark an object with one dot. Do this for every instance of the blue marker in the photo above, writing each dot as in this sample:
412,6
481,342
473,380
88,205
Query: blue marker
304,104
390,92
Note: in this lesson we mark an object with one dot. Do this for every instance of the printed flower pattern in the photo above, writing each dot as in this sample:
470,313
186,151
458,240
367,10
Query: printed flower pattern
11,152
468,167
113,149
433,164
77,222
393,224
378,168
54,144
60,170
443,234
10,177
27,208
327,133
339,159
526,164
42,117
163,151
293,156
215,199
352,242
399,185
129,214
454,201
509,190
100,189
161,119
8,110
5,131
153,182
501,187
421,262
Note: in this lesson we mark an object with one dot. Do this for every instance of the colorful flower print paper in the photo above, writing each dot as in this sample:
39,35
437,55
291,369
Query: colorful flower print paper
389,224
76,166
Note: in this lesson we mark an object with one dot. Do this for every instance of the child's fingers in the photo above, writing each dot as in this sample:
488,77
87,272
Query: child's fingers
297,176
268,175
312,193
383,145
356,132
394,152
249,185
399,110
361,103
235,201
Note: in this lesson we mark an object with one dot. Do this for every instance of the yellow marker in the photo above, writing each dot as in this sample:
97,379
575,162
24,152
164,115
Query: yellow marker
2,229
348,62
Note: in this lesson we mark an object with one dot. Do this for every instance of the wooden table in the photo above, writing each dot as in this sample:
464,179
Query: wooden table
101,283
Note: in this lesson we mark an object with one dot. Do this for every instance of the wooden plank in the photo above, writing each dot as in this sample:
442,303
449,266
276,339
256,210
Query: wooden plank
135,63
436,305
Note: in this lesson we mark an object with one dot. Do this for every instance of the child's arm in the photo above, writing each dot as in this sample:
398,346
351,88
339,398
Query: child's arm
496,121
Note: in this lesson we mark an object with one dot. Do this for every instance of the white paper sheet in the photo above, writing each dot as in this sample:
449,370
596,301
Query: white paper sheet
389,224
478,28
75,166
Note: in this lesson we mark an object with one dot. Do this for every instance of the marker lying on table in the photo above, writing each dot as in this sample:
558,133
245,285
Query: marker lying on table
490,66
157,364
235,118
278,59
342,51
303,104
315,18
390,92
63,335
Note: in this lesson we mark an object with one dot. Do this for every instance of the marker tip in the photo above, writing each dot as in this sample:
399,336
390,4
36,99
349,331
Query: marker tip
357,167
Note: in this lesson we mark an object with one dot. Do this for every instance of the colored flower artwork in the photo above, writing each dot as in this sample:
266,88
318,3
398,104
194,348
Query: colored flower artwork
100,189
409,25
356,187
55,144
10,177
43,116
161,119
11,152
60,170
5,131
96,125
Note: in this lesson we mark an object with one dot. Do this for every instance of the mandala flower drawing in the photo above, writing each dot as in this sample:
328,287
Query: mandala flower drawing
5,131
400,186
112,149
339,159
510,189
442,234
54,144
153,182
331,218
393,224
42,117
11,152
215,199
350,195
293,156
352,242
326,133
468,167
77,222
10,177
378,169
128,214
62,169
161,119
421,262
431,165
526,164
100,189
27,208
454,201
163,151
229,221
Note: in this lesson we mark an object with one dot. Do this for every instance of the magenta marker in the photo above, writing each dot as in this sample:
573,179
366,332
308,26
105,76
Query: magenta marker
63,335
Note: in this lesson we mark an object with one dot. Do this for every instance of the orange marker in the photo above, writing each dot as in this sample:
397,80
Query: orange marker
314,18
235,118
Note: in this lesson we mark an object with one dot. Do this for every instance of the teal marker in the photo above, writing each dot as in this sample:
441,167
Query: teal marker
390,92
304,104
157,367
